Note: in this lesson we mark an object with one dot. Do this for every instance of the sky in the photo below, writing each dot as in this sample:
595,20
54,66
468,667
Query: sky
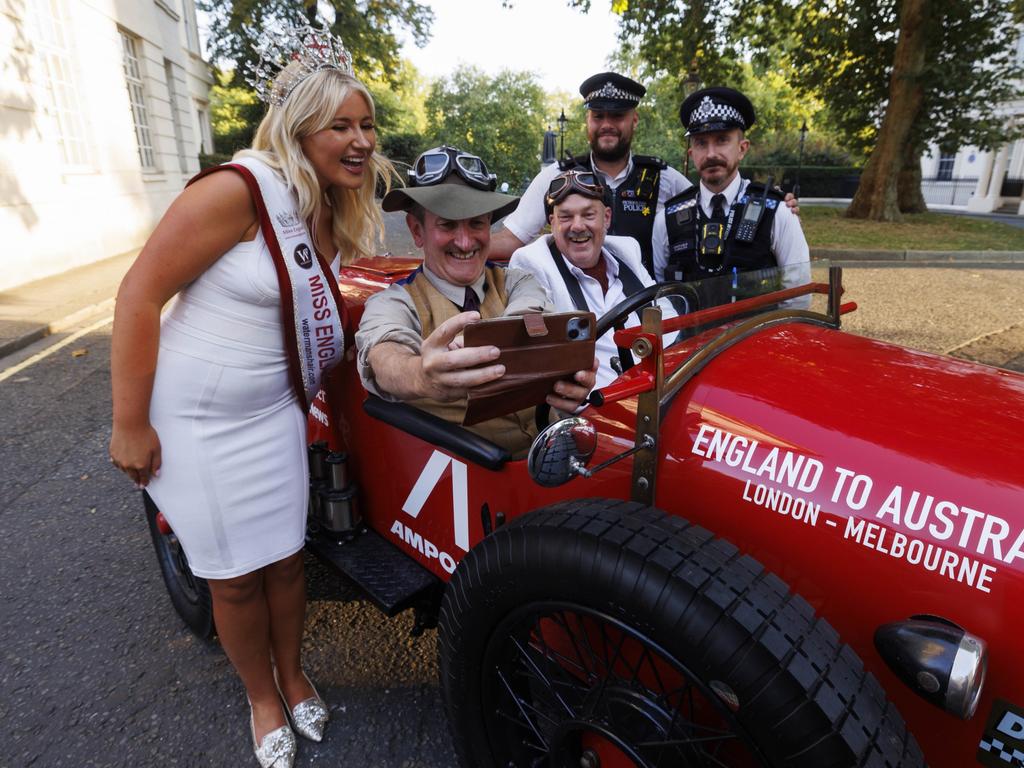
562,46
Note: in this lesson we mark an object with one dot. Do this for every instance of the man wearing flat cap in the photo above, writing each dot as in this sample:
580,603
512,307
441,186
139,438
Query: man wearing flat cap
638,185
410,333
726,224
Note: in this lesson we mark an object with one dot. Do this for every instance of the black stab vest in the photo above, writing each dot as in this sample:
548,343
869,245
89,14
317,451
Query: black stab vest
683,217
634,202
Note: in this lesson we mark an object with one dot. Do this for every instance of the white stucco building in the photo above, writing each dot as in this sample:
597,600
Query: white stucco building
104,109
977,180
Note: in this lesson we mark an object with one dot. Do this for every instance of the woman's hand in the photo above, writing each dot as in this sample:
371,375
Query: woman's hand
136,452
204,222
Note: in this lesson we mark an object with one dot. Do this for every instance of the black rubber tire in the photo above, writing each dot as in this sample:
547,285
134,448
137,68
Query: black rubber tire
804,698
190,594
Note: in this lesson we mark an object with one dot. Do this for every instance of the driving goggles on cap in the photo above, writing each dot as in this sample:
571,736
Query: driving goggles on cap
435,165
568,182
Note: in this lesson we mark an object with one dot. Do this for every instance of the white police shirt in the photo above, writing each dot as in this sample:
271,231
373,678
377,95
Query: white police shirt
536,258
528,219
788,243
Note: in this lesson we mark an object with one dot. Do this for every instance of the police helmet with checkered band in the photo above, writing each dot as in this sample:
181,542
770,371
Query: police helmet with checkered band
612,92
716,109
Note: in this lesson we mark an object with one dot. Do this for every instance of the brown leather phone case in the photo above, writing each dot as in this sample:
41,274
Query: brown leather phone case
537,350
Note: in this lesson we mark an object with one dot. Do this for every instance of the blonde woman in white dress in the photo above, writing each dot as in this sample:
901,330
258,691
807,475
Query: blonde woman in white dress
206,413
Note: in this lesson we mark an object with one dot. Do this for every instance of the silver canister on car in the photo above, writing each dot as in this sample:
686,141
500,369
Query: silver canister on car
332,499
339,513
317,454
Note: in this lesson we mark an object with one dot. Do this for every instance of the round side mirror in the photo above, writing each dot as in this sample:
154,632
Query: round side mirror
560,451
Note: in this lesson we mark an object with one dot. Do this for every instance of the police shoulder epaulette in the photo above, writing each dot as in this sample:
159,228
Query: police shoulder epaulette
580,161
757,188
680,200
649,160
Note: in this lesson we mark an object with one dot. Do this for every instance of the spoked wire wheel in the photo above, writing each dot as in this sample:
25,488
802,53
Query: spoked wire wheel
599,633
569,686
190,594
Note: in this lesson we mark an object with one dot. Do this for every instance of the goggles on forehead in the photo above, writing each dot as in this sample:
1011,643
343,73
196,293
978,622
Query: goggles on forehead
568,182
435,165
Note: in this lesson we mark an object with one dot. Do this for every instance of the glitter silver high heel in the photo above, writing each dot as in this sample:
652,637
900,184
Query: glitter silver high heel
277,749
309,716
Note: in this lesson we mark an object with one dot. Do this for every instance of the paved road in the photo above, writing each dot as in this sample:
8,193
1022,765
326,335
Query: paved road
97,670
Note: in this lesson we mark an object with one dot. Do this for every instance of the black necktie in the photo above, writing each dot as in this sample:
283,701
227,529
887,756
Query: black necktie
470,303
718,207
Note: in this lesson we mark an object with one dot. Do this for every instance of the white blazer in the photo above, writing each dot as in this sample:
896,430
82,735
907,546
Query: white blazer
536,258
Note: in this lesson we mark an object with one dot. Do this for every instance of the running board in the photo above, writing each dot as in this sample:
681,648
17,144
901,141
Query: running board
391,579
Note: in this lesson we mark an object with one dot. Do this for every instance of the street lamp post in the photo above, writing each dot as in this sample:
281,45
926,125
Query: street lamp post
562,120
691,84
800,160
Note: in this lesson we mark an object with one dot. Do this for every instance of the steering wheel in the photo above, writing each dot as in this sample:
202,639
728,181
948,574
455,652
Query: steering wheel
616,318
617,315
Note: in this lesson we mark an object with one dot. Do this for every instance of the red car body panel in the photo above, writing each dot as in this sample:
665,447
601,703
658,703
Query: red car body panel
928,448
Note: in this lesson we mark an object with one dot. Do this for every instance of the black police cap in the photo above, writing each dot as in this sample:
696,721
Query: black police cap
716,109
612,92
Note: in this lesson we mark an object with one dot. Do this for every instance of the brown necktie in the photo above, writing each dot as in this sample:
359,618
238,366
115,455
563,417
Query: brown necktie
470,303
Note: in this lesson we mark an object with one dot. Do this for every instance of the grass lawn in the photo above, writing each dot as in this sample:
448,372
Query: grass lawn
828,228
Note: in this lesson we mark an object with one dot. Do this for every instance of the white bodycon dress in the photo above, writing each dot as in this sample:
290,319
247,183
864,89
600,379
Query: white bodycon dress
234,481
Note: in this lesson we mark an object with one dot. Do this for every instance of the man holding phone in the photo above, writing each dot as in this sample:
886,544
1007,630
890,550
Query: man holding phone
409,336
726,224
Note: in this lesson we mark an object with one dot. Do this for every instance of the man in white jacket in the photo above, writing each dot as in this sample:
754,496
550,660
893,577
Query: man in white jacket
582,267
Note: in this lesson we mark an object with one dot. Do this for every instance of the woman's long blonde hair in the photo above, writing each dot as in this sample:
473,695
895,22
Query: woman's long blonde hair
356,221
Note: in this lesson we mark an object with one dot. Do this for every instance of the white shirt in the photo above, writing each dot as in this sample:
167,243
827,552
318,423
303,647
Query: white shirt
536,258
528,219
788,243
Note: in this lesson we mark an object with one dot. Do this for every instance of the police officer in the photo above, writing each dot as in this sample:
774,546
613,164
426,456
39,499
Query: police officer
726,224
638,185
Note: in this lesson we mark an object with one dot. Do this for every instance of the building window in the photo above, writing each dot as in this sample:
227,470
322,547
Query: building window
172,97
945,169
203,128
55,50
188,15
137,98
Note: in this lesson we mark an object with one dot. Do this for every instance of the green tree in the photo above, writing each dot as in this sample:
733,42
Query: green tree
501,118
401,113
235,111
369,28
895,74
901,74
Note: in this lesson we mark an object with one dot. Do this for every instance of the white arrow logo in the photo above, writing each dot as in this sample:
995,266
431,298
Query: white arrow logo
428,480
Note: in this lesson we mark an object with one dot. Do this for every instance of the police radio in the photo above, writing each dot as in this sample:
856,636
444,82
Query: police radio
752,213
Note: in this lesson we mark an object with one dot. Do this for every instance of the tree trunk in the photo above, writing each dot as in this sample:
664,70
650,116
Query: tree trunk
908,187
876,196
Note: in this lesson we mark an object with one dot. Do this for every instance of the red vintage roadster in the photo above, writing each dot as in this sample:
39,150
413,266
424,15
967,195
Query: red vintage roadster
767,543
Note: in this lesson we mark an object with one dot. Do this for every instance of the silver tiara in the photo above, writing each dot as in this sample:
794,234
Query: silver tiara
313,49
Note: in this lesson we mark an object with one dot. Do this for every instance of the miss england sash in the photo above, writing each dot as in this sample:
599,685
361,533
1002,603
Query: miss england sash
311,305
